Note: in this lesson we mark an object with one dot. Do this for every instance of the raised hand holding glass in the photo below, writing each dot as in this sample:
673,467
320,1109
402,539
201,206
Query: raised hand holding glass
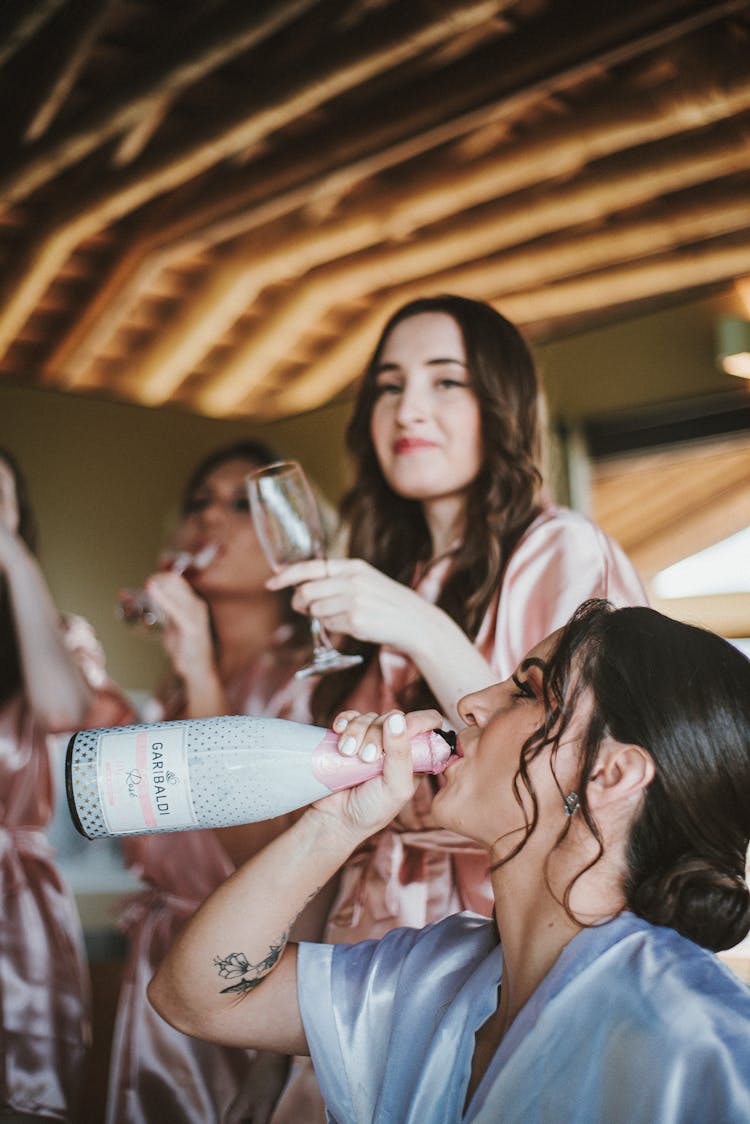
289,527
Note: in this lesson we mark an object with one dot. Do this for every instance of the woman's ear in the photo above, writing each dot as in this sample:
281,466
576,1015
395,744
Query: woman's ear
622,772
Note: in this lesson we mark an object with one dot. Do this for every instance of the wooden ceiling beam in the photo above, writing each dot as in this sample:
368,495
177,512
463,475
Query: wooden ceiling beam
88,19
243,125
343,363
711,214
234,284
221,38
435,113
32,18
138,185
135,141
640,516
727,614
686,268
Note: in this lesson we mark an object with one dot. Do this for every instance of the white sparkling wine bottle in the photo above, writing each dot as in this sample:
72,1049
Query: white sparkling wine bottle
213,772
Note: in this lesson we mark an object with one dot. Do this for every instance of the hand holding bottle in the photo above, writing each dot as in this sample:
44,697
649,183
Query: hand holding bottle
387,740
217,772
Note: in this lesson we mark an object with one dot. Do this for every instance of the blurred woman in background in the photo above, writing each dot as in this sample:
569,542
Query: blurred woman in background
52,680
233,647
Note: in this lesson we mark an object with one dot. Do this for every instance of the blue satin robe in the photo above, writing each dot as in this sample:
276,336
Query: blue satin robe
633,1025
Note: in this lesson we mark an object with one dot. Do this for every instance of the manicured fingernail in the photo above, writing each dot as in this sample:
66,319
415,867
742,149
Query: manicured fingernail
340,724
369,753
348,746
396,723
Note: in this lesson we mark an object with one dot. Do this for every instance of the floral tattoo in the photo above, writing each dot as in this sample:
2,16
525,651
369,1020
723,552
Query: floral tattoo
236,966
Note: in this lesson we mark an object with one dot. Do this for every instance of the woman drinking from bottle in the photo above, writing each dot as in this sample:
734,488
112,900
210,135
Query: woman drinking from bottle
607,781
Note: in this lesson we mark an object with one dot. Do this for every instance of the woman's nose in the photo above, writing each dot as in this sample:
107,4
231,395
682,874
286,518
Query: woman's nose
476,708
469,707
412,405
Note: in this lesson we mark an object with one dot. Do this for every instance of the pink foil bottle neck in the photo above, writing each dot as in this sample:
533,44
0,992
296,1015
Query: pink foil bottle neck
430,754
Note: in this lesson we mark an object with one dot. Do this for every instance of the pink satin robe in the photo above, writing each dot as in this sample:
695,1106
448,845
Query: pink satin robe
44,985
413,873
156,1073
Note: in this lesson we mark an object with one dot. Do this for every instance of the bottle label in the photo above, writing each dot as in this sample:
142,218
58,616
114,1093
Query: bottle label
144,780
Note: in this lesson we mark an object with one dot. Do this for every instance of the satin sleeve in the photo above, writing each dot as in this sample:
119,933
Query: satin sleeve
337,1004
562,560
374,1015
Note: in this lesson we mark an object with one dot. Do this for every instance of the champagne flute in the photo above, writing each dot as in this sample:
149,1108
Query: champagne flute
135,607
289,528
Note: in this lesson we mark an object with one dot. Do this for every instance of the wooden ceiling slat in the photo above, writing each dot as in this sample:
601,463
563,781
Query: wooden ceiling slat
725,613
236,282
221,38
716,91
29,20
540,263
687,267
137,185
134,142
639,512
90,16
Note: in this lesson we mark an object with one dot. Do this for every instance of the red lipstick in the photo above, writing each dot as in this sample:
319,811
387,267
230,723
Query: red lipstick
412,444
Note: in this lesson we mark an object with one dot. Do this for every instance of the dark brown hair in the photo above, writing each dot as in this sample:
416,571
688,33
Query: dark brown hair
683,694
391,533
11,677
254,452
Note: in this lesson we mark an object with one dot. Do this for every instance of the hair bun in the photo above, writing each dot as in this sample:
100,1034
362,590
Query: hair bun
705,904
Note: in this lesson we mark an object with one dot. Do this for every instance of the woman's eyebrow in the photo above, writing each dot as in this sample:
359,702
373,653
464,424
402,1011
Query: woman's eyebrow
533,661
439,362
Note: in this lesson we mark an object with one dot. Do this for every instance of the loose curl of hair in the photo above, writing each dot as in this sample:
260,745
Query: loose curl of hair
11,675
391,533
683,694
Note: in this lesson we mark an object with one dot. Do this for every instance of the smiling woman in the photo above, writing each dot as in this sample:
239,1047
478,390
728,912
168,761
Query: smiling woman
425,423
460,563
611,805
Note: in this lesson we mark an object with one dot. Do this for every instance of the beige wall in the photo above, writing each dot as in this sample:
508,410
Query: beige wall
105,480
640,361
105,477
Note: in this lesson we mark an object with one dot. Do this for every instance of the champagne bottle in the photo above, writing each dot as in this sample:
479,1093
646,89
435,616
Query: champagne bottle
213,772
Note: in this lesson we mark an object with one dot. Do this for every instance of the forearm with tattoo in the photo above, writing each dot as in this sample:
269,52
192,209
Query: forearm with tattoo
236,964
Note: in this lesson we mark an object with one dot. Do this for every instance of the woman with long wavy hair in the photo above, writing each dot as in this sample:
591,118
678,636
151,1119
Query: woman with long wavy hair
459,563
